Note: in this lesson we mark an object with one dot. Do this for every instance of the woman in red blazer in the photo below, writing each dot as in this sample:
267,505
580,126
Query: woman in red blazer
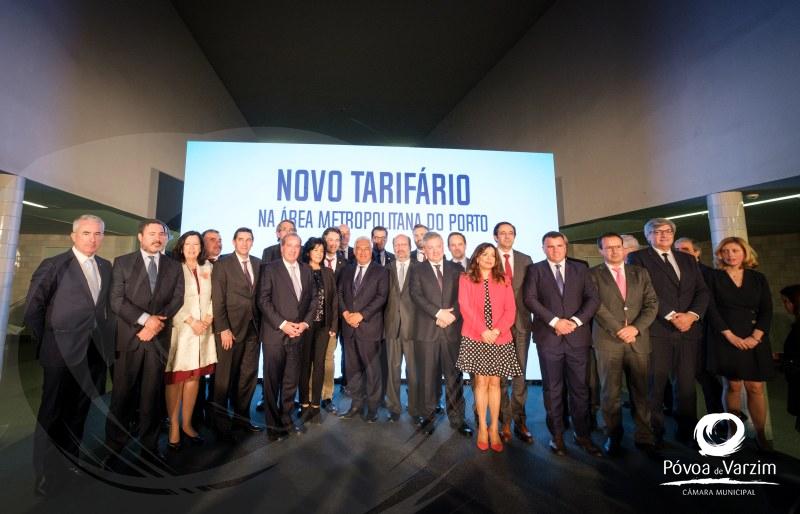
488,309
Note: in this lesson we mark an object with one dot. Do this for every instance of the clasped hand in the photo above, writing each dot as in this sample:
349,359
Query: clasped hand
683,321
293,329
353,318
151,328
445,318
565,327
628,334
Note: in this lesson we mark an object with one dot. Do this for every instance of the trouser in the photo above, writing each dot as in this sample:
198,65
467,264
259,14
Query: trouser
312,363
327,386
565,365
281,378
437,358
235,379
363,372
610,367
396,348
138,379
513,408
67,392
673,360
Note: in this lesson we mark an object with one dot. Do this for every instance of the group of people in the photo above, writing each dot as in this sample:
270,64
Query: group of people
193,324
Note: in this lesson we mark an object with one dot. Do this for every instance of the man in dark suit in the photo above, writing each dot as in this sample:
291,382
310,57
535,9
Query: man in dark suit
709,383
418,232
675,335
345,250
437,334
236,332
563,299
212,242
284,298
457,244
515,266
628,306
336,262
273,253
399,332
363,289
67,311
146,292
379,252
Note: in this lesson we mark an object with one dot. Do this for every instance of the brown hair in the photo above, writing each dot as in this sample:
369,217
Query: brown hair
750,255
474,271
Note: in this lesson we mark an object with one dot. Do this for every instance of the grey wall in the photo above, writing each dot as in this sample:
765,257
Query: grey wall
645,103
96,95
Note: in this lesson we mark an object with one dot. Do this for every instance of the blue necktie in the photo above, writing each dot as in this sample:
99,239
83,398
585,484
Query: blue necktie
359,277
152,272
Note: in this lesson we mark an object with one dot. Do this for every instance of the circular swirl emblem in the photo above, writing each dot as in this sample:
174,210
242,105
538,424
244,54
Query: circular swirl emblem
704,429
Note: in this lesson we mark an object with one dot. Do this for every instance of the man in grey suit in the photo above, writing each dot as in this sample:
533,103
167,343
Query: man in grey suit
437,334
236,332
563,300
398,328
67,310
515,266
284,299
676,333
628,306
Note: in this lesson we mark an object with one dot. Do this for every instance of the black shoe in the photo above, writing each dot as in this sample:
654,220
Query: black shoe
372,417
352,413
394,417
42,487
611,447
439,410
193,440
174,447
420,421
299,429
329,407
260,406
276,435
462,429
253,429
587,445
556,446
522,433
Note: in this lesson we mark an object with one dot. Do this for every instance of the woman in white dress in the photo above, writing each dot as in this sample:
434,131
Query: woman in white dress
192,352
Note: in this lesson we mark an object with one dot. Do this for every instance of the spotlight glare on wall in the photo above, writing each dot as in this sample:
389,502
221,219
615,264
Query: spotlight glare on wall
26,202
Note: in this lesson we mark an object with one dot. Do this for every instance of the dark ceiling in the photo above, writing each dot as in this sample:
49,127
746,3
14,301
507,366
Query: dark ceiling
365,72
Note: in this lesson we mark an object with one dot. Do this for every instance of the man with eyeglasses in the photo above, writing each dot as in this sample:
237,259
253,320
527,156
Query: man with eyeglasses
379,253
676,333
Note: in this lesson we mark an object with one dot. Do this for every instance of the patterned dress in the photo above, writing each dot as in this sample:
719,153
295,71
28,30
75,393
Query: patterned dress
487,359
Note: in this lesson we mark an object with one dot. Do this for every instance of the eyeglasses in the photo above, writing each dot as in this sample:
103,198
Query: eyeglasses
664,232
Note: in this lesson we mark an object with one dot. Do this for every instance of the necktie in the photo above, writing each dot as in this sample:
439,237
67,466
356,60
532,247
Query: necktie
383,258
91,278
329,263
665,255
559,279
298,289
152,272
439,277
402,275
620,279
359,276
508,271
247,275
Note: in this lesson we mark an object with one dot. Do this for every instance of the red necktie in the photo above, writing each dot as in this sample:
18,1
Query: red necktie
509,272
329,261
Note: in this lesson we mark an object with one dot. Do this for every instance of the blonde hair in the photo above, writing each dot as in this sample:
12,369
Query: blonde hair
750,255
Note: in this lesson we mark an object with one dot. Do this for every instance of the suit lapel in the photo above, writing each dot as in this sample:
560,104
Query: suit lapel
139,276
519,271
283,274
664,266
77,272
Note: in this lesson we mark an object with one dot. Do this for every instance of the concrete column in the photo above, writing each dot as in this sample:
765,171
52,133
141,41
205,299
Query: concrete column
726,216
12,191
726,219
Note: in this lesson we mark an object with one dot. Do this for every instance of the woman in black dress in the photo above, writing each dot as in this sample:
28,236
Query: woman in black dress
791,352
740,315
323,325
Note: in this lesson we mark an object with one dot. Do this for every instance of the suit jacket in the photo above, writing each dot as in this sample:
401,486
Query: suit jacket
466,263
341,264
278,303
62,315
131,297
348,255
234,301
545,302
688,294
369,301
639,308
471,300
271,253
400,313
414,256
429,300
522,324
376,257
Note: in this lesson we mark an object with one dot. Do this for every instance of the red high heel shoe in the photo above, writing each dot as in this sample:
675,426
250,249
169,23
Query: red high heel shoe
482,445
498,446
